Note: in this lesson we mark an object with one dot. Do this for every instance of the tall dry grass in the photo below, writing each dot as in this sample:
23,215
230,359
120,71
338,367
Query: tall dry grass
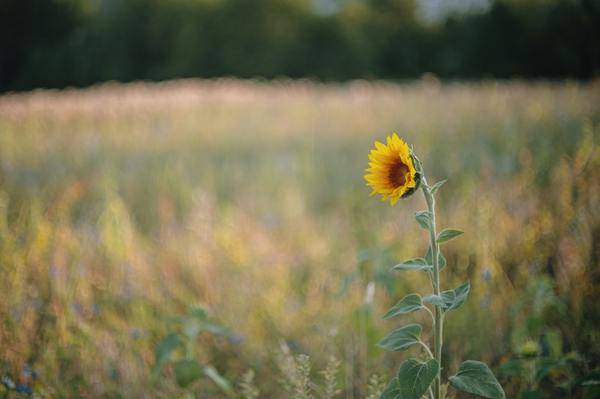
120,205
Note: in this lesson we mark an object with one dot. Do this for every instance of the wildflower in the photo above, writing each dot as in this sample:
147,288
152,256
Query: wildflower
393,170
529,349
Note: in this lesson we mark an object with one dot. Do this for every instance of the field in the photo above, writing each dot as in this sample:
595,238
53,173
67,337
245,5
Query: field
125,210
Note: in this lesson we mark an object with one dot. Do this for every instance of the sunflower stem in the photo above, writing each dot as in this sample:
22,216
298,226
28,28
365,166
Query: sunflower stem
439,317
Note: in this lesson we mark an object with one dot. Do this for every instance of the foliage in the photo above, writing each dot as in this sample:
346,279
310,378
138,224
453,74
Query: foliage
247,388
183,340
297,381
120,205
416,378
58,43
539,367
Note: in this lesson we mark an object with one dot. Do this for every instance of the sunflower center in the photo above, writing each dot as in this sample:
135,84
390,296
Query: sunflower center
398,173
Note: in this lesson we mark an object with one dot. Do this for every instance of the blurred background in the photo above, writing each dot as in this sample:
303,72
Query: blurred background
183,212
58,43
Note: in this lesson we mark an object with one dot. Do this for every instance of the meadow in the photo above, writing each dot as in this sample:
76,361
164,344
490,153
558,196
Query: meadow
234,213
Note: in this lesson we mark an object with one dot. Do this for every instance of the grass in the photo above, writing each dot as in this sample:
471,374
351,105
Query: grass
123,205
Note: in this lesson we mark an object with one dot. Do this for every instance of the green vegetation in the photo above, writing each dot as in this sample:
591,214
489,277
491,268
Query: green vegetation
59,43
226,223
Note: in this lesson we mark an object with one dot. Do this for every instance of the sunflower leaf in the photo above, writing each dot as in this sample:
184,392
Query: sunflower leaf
456,297
451,299
437,186
408,304
476,378
448,234
424,219
402,338
392,391
187,371
165,348
413,264
414,377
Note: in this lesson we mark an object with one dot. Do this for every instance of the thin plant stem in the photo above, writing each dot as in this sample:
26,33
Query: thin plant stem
438,319
430,313
426,349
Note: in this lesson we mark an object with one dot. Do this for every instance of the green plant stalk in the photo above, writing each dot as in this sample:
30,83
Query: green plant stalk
438,324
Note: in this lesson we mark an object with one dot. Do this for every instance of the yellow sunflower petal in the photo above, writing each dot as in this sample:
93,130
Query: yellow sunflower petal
391,172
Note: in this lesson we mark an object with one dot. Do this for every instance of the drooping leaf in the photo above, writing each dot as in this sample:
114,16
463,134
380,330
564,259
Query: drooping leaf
217,378
408,304
451,299
402,338
413,264
448,234
414,377
437,186
165,347
424,219
476,378
187,371
456,297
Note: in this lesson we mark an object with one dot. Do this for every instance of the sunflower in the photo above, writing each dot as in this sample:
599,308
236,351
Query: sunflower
392,170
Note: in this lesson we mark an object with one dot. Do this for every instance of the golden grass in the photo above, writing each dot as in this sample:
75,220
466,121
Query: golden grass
120,205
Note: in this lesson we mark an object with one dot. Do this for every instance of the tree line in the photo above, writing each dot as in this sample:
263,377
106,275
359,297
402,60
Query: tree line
58,43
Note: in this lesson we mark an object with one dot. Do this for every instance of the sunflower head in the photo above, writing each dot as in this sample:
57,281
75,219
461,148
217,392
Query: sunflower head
394,172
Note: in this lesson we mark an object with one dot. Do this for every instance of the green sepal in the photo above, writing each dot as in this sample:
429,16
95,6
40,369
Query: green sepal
418,176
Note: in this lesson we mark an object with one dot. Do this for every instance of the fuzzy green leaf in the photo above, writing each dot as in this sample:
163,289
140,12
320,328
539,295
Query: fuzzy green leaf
456,297
413,264
424,219
414,377
448,234
402,338
187,371
437,186
163,350
451,299
392,390
408,304
476,378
